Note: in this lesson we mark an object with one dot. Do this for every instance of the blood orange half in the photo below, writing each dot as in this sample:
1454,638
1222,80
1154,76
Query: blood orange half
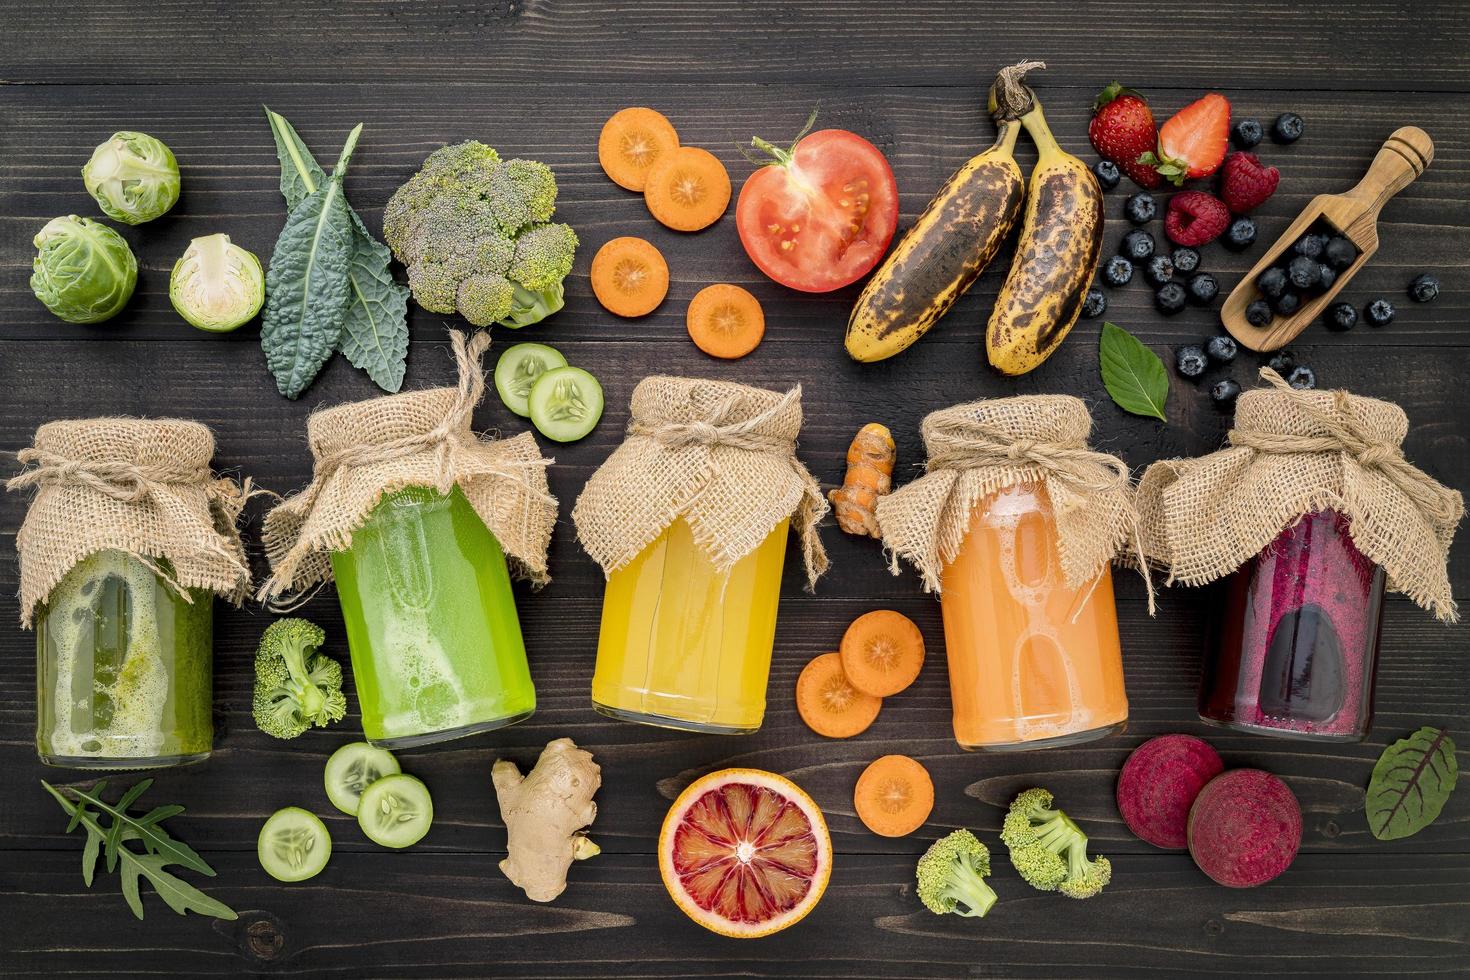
745,853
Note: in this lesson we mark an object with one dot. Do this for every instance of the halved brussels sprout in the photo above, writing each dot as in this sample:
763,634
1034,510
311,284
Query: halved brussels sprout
133,176
84,272
216,286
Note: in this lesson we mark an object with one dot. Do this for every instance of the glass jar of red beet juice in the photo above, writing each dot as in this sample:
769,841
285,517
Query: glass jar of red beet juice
1305,519
1295,648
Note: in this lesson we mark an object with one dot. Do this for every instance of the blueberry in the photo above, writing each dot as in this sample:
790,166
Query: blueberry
1190,361
1326,276
1379,313
1304,273
1286,304
1095,304
1137,246
1169,299
1302,378
1118,271
1106,172
1272,282
1310,245
1221,349
1339,253
1342,316
1246,133
1185,259
1282,362
1159,270
1140,208
1241,234
1225,392
1287,128
1258,313
1203,289
1421,290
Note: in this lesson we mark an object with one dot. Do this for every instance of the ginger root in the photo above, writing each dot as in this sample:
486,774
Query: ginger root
545,812
870,461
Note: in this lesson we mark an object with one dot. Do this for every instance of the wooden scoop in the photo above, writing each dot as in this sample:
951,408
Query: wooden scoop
1403,156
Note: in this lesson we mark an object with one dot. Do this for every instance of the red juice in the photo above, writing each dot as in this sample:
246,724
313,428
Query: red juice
1296,650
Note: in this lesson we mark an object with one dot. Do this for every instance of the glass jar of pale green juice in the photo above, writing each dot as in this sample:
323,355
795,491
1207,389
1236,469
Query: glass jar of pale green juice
123,668
431,622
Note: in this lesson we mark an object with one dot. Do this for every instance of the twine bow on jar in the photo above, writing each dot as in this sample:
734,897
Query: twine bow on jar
121,480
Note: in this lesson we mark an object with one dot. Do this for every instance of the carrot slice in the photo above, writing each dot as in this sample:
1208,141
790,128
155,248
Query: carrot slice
725,321
828,704
629,276
687,189
882,652
631,141
894,796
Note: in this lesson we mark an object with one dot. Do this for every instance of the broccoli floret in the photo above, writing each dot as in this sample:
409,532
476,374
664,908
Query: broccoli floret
295,686
1049,850
952,876
478,221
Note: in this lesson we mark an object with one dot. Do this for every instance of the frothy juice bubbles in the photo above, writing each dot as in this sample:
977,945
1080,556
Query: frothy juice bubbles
431,622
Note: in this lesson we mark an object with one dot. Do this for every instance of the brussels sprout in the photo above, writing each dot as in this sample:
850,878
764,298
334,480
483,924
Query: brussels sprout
84,272
216,286
134,178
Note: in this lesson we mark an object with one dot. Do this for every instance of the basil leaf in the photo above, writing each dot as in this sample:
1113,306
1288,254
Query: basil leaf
306,286
1411,783
1133,374
375,329
300,173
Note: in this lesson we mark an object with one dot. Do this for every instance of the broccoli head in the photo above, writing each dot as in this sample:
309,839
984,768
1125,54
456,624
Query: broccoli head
474,232
1049,850
295,686
952,876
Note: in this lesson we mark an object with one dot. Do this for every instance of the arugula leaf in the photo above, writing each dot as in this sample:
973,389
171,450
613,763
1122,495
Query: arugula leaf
375,326
1133,374
160,851
1411,782
306,286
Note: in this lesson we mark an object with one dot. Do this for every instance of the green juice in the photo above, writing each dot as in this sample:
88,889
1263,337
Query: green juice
431,622
124,669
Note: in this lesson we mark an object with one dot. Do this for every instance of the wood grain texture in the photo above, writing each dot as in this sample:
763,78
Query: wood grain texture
538,79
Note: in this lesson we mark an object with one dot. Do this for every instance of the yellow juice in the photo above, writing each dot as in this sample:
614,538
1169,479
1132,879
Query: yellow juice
685,646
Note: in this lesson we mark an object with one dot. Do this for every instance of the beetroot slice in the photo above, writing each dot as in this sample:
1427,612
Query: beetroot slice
1159,783
1244,828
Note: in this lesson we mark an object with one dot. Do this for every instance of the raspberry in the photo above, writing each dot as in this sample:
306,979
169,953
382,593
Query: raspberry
1245,184
1195,218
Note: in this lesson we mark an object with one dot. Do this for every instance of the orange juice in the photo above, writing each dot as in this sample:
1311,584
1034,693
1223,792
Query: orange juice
684,645
1032,662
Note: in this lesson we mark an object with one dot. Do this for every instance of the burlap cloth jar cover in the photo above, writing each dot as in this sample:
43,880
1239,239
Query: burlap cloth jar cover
720,455
1292,453
139,486
366,449
979,448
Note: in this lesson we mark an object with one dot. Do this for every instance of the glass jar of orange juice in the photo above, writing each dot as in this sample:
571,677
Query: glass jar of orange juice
1015,525
689,518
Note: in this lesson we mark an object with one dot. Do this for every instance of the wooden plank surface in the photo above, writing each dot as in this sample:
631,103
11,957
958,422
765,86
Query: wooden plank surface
538,79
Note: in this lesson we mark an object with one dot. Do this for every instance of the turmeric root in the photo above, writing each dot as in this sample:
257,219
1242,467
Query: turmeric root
870,461
545,813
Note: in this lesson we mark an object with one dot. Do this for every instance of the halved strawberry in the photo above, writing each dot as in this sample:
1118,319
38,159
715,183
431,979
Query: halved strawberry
1193,142
1122,130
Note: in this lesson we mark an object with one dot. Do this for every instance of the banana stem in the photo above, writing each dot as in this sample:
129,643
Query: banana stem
1035,122
1009,133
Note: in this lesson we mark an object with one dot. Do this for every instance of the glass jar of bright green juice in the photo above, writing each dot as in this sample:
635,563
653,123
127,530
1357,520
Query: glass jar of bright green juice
123,668
431,621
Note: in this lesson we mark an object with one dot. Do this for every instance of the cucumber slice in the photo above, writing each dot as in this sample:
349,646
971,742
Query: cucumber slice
353,768
566,403
518,369
396,811
293,845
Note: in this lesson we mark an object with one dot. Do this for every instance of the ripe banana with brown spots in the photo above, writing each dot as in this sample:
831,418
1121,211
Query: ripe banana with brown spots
1055,255
942,254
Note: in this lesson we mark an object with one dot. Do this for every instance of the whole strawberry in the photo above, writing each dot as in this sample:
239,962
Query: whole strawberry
1195,218
1193,142
1122,130
1245,183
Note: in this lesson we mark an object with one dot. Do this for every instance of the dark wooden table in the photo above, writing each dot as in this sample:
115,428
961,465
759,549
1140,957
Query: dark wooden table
537,78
